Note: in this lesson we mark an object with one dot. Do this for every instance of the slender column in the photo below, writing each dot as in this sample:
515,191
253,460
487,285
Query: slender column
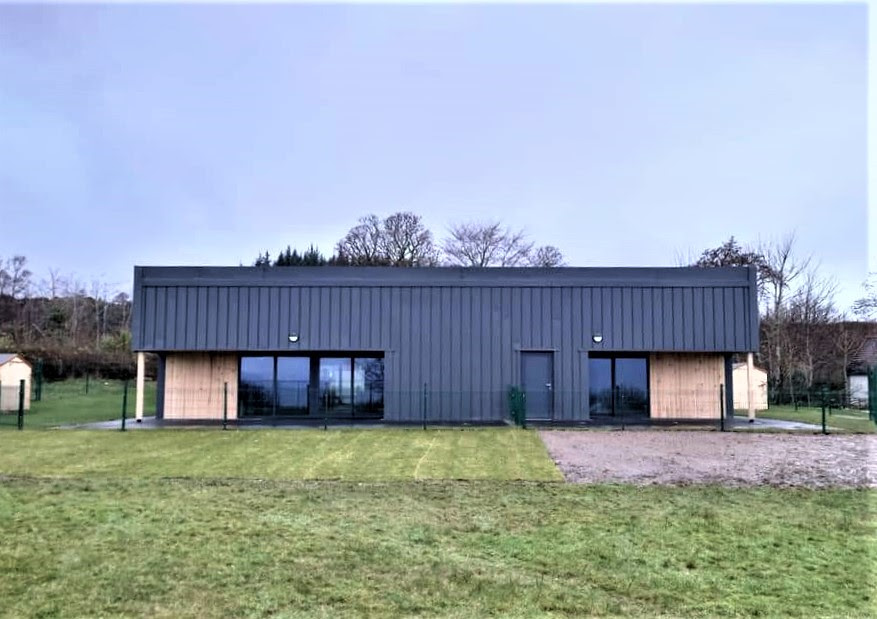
141,375
750,399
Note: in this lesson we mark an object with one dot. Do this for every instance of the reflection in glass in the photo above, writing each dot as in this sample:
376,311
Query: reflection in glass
336,386
600,386
257,386
293,378
368,386
632,380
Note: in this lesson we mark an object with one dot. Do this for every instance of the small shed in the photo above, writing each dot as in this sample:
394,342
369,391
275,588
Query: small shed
759,387
857,371
13,369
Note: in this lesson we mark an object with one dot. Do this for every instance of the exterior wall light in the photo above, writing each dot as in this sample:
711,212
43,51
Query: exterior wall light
597,337
293,337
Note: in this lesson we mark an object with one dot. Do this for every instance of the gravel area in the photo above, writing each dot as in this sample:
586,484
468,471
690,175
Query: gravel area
731,459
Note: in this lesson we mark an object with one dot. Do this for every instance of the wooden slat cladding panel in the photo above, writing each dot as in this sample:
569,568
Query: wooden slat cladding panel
685,385
194,385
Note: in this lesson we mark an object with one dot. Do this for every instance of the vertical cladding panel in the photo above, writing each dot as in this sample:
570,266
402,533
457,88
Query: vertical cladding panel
206,318
254,318
597,312
333,309
709,319
627,335
658,319
212,318
648,325
687,319
303,309
456,352
149,329
436,353
506,352
544,317
367,320
272,328
719,304
467,408
323,316
526,317
160,318
233,319
375,319
358,336
667,304
386,339
617,328
679,318
740,315
730,318
637,329
697,325
481,401
566,344
494,314
345,316
182,314
405,351
283,306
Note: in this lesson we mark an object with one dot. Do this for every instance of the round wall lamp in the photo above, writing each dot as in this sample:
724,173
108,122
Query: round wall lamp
293,337
597,337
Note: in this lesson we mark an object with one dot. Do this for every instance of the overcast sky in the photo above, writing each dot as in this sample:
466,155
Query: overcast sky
624,135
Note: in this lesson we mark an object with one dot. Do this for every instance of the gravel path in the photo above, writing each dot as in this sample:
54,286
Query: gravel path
731,459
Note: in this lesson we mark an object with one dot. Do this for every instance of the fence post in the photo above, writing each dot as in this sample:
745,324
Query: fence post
86,383
824,429
21,404
326,411
722,407
225,406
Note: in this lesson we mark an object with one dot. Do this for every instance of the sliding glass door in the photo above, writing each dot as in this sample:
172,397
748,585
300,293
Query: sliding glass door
326,385
618,386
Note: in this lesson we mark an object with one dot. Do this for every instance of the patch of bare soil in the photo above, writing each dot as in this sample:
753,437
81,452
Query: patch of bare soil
731,459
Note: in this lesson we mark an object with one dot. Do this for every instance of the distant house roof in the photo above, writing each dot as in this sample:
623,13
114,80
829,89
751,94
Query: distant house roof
5,357
865,357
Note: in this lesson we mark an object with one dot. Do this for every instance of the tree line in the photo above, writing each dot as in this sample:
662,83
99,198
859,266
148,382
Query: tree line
806,342
403,240
73,325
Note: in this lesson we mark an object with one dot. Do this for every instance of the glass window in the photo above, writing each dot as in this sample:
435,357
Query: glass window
257,386
618,385
632,379
368,386
600,386
293,378
336,386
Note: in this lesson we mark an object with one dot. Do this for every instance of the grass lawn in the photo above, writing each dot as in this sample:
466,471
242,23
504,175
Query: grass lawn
66,402
844,419
374,454
217,548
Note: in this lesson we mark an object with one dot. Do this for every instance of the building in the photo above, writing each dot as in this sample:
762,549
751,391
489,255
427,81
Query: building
758,382
14,369
863,362
445,344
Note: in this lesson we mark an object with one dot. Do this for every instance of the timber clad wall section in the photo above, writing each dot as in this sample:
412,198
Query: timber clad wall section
685,385
194,385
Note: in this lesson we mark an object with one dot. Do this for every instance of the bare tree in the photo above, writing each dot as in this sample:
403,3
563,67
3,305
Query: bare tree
485,244
407,242
546,256
15,277
363,244
866,307
399,240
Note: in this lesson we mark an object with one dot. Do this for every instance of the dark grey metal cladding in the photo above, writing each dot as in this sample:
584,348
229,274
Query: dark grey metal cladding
460,331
